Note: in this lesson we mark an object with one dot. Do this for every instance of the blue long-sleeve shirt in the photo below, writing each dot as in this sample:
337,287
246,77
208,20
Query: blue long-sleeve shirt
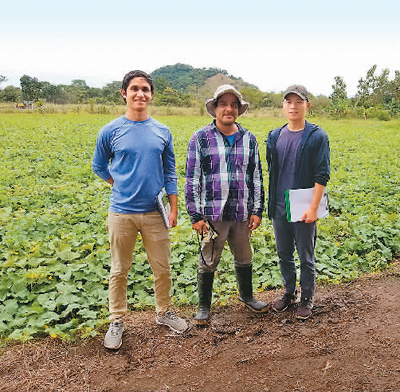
139,156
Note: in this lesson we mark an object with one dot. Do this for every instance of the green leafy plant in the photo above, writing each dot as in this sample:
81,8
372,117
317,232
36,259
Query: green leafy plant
54,259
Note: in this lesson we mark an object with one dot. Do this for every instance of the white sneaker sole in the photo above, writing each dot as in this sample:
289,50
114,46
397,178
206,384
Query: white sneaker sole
172,328
113,347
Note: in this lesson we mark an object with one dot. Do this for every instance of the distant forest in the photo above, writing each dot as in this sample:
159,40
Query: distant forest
182,85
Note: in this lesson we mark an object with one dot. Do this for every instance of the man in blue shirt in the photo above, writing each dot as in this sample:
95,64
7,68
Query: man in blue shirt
135,154
298,157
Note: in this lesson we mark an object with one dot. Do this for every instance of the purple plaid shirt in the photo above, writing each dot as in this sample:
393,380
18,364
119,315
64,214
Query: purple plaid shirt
223,182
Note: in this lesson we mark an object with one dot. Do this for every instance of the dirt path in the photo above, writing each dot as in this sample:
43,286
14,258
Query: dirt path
352,343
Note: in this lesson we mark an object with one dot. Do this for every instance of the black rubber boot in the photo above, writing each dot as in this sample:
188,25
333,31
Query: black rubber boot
244,280
205,282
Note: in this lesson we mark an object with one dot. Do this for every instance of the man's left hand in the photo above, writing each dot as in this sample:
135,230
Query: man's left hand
254,222
309,216
173,219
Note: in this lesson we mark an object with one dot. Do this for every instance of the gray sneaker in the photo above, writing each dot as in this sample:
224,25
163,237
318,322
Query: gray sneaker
171,320
113,338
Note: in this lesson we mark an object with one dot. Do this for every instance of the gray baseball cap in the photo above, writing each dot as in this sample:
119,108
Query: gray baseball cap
297,89
221,90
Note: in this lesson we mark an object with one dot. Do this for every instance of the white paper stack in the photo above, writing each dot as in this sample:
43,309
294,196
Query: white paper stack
299,200
164,207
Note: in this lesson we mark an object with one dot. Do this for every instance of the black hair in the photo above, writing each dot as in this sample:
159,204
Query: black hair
137,74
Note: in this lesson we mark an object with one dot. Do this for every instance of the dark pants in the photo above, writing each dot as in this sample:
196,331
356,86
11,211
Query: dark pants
302,236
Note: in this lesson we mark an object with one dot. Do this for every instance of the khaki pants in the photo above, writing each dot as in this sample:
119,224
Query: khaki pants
123,230
238,236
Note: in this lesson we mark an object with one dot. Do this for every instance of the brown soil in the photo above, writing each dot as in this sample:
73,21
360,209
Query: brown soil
352,343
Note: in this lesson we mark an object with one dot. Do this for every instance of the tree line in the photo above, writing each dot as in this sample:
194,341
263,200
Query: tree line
377,96
184,86
78,92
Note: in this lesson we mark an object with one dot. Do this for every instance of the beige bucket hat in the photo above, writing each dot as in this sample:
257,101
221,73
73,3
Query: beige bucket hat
221,90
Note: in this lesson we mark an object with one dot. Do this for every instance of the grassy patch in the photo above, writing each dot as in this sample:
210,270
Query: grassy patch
54,249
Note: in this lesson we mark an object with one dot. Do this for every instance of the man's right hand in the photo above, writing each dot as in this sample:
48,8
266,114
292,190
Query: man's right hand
200,226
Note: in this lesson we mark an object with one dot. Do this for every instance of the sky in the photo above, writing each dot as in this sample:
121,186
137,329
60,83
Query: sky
270,44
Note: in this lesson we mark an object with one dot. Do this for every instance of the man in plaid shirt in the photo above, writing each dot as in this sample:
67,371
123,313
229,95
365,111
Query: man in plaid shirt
224,192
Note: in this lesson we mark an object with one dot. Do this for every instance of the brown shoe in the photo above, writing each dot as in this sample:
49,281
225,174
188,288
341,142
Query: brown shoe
304,311
283,303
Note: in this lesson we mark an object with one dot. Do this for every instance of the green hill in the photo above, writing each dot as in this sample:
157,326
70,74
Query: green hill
185,78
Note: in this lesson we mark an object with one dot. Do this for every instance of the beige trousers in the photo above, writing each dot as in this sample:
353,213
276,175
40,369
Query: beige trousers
238,236
123,230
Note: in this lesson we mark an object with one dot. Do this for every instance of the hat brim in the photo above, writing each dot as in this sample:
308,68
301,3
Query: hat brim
297,93
210,107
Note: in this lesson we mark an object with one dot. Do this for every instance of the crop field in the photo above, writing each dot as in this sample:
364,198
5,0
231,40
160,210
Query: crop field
54,249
